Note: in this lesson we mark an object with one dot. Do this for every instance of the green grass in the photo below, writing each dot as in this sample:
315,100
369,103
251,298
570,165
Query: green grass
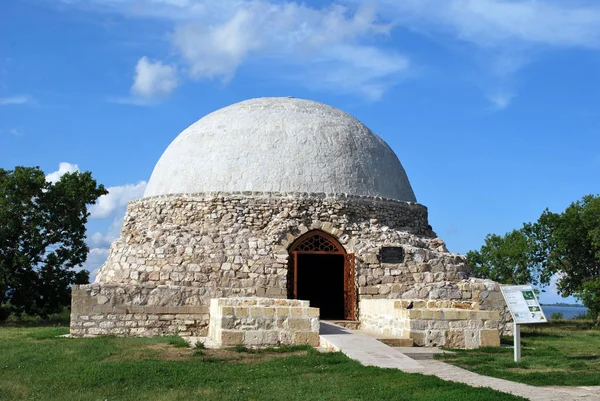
560,353
36,364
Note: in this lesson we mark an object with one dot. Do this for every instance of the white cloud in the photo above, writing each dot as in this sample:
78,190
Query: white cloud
491,23
503,35
12,131
344,47
551,295
63,168
99,244
111,205
103,240
154,79
324,46
12,100
95,259
500,100
115,201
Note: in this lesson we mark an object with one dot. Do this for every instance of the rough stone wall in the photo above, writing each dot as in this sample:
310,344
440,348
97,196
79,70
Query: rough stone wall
141,311
217,245
236,244
259,322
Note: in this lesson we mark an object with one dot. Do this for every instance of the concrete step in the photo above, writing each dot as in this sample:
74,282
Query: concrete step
348,324
397,342
419,357
421,353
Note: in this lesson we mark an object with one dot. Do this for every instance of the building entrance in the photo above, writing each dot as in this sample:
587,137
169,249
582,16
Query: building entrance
321,272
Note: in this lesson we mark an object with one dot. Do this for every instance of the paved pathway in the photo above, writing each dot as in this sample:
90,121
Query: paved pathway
369,351
365,349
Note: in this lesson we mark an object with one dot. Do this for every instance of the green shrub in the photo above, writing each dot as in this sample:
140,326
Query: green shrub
178,342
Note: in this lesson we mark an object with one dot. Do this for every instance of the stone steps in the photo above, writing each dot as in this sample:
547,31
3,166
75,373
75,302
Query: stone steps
421,353
419,357
397,342
348,324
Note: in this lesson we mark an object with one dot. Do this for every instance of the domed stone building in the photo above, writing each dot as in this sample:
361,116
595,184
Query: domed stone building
276,199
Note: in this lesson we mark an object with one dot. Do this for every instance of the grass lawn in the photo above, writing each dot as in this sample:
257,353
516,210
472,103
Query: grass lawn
561,353
36,364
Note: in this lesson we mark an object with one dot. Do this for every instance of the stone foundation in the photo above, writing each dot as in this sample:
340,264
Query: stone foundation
259,322
452,324
136,311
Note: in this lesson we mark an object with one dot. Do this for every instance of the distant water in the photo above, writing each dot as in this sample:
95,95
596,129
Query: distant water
568,312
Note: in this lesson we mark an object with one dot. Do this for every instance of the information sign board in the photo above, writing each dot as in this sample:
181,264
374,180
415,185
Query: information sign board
523,304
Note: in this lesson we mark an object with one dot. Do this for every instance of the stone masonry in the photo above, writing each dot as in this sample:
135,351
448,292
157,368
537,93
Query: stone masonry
146,310
453,324
258,322
215,245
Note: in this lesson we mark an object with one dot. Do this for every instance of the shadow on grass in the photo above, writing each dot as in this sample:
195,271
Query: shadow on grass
543,334
585,357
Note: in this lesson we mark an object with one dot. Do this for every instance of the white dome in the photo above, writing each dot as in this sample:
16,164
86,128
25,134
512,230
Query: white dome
280,145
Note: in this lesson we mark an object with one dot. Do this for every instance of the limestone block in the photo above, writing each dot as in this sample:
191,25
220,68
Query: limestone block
282,311
419,337
454,339
471,338
231,337
435,338
240,312
299,324
489,338
306,337
257,311
312,312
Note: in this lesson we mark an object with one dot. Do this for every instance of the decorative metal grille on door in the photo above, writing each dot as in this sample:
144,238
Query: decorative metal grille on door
316,243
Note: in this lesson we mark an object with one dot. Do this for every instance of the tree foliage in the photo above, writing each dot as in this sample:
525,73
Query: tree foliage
564,245
505,259
42,238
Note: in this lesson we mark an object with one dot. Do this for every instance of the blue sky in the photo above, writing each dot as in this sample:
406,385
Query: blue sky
493,106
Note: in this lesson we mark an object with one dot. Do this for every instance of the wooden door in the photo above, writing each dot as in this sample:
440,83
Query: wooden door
349,287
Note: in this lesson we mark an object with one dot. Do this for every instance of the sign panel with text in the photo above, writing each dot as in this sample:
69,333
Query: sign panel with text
523,304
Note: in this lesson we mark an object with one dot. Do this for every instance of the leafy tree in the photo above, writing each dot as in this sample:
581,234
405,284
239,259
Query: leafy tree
590,296
42,238
570,248
506,259
565,245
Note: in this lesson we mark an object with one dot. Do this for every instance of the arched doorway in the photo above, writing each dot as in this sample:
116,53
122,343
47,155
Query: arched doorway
321,272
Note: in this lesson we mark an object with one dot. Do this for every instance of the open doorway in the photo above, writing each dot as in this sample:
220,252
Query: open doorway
323,273
321,281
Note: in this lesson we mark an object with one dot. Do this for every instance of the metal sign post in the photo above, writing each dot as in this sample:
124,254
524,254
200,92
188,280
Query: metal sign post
517,345
524,308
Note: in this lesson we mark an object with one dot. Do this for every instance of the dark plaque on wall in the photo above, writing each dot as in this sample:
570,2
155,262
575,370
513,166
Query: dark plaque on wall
392,254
